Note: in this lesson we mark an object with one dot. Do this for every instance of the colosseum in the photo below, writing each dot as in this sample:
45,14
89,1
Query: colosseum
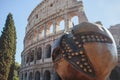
47,22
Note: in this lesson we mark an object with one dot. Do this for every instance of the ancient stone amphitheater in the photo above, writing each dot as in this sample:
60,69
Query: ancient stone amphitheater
46,23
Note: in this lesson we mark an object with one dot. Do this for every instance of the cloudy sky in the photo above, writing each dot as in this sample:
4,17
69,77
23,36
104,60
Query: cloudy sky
106,11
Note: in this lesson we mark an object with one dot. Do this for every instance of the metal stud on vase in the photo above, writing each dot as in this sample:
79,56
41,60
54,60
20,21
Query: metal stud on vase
91,53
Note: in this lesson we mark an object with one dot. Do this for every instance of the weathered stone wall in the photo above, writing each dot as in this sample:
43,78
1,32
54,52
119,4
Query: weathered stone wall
115,30
47,22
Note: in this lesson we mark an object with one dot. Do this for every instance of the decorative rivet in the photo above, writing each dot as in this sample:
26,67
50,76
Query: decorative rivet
85,69
90,70
85,63
63,55
82,37
83,59
79,45
77,42
81,52
76,53
92,36
72,54
105,39
69,57
81,66
74,38
68,47
96,36
70,51
84,40
77,62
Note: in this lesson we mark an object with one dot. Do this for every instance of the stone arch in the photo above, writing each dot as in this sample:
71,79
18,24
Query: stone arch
43,33
37,75
30,76
25,76
47,75
48,51
35,35
39,53
60,24
27,58
40,33
75,20
32,56
29,39
49,28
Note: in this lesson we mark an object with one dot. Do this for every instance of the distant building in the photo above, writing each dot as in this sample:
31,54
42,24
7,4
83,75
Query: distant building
115,30
47,22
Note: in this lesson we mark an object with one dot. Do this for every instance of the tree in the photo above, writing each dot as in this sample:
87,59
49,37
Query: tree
7,47
16,71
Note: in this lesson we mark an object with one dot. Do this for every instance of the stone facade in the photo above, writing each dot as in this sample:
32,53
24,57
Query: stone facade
47,22
115,30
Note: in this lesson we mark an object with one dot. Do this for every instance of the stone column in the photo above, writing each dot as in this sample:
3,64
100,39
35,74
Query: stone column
54,26
42,74
66,23
35,52
82,16
29,57
23,61
27,76
33,76
45,30
43,52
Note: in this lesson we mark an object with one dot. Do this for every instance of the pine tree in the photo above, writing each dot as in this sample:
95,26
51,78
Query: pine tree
7,47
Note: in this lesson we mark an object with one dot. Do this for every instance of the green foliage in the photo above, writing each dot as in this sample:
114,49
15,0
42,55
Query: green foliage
7,47
16,71
15,78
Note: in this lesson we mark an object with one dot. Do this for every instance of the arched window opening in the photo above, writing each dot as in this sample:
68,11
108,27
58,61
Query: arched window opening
48,51
37,75
43,34
32,56
30,76
51,29
27,60
25,76
35,35
39,53
47,75
75,20
62,25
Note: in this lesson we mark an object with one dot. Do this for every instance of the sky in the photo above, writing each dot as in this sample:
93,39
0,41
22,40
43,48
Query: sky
106,11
